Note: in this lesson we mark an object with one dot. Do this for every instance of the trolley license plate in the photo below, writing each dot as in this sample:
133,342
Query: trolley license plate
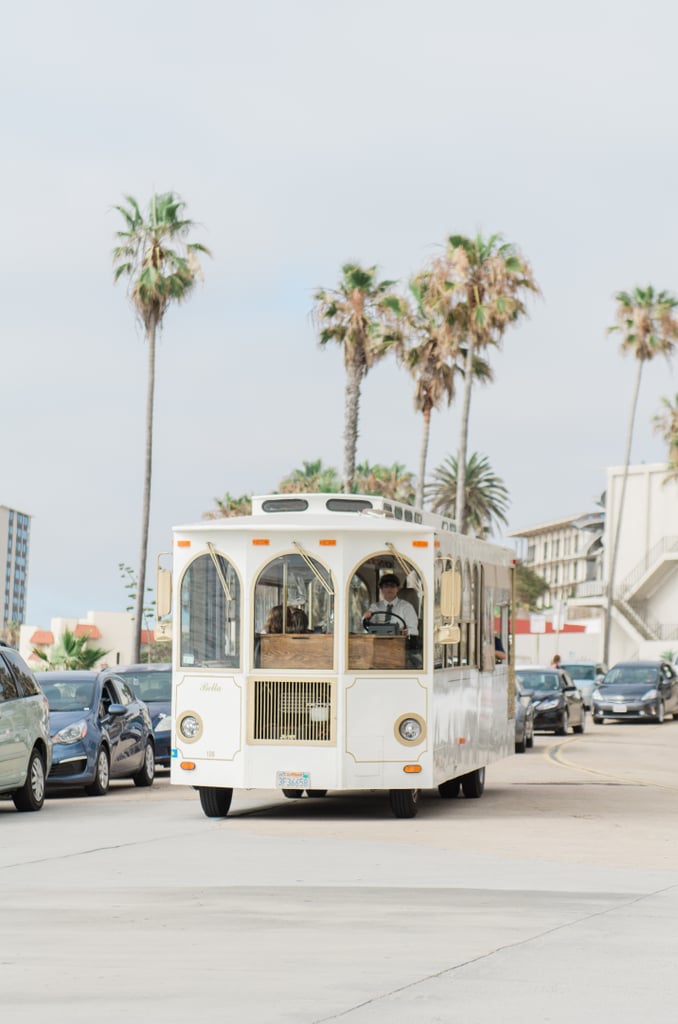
619,709
293,780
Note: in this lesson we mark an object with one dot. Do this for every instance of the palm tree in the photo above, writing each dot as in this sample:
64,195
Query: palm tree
314,478
356,316
666,424
229,506
394,482
162,267
648,324
71,652
487,498
486,281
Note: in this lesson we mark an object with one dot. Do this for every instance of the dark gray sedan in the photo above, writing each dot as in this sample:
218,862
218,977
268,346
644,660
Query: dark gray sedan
643,690
558,704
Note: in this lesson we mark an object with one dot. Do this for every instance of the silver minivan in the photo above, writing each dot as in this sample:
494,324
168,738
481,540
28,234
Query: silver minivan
25,744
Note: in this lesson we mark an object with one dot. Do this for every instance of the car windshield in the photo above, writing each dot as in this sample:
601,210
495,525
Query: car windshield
629,675
152,685
587,673
64,696
538,680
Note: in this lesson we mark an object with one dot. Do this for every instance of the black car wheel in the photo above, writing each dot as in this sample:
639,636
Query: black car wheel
521,745
145,776
582,725
660,712
215,802
529,741
450,790
102,775
473,784
564,724
31,796
404,802
598,719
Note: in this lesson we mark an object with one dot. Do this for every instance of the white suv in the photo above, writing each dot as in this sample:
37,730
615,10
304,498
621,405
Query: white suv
25,744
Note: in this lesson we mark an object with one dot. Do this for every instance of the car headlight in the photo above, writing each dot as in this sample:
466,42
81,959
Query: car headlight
190,727
164,724
410,729
596,695
548,705
71,733
650,695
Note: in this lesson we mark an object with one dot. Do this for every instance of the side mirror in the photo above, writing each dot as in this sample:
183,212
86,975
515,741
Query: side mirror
450,594
163,592
116,710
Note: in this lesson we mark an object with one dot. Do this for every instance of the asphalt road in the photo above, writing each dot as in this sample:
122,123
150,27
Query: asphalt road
554,898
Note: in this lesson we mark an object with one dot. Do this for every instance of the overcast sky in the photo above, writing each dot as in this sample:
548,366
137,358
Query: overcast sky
303,134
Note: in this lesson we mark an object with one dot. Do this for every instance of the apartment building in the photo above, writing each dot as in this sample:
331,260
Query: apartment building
567,554
14,543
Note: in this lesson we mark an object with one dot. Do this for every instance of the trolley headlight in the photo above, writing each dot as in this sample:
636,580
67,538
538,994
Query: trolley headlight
190,727
410,729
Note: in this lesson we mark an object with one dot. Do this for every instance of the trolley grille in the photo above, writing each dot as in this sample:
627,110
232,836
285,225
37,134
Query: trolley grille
292,711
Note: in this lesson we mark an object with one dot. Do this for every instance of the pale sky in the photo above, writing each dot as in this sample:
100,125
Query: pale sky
303,134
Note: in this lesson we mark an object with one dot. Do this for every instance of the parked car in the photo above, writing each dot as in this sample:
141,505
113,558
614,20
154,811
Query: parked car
25,744
585,675
637,689
100,731
524,715
152,683
558,704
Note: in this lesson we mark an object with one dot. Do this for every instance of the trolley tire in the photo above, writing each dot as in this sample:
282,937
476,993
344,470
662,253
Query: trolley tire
313,793
404,802
31,796
102,775
450,790
293,794
473,784
215,801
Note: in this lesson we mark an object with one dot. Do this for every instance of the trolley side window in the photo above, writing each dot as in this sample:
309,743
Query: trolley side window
210,614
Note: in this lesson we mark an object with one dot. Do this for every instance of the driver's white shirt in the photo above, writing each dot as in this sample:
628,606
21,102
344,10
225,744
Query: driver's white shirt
402,608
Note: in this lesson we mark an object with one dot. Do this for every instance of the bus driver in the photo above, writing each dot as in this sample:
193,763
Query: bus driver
389,584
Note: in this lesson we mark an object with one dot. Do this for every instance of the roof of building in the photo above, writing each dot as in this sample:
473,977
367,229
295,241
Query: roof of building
42,636
87,629
557,524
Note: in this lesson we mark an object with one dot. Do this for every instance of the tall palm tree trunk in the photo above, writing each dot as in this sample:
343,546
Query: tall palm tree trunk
423,452
460,504
351,406
617,533
146,503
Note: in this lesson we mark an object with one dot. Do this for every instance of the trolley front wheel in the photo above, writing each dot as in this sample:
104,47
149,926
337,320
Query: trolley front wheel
215,801
404,802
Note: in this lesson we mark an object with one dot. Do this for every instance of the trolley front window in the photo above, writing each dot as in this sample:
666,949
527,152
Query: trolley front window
210,614
294,614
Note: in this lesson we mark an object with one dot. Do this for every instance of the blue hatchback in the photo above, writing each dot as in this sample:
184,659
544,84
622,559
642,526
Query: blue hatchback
100,731
152,683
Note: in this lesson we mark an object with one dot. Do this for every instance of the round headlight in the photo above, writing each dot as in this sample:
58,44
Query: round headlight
189,727
410,729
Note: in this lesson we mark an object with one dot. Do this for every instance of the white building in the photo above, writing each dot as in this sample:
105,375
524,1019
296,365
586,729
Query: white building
573,556
113,632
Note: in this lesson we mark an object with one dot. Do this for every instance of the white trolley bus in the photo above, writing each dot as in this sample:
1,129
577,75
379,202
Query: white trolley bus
279,680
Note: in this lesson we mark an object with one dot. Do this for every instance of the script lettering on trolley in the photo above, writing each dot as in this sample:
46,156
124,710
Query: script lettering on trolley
211,687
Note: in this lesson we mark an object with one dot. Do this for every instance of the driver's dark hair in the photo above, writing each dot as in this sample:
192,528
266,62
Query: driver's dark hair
389,577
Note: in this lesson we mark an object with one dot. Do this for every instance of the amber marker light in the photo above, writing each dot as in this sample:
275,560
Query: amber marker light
188,766
419,543
260,542
327,543
412,769
183,543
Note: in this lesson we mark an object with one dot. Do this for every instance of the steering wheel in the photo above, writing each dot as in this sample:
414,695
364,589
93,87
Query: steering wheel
387,618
